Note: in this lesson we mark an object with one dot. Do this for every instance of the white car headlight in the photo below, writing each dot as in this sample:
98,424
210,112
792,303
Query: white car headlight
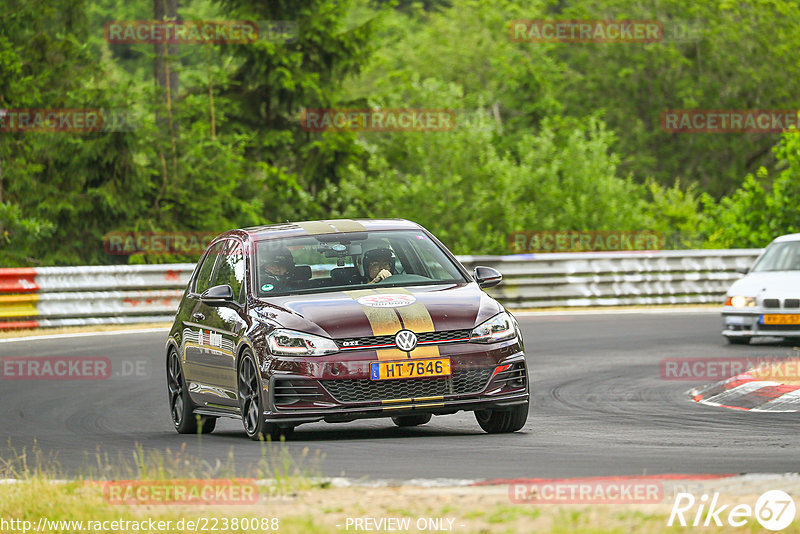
739,301
499,328
282,342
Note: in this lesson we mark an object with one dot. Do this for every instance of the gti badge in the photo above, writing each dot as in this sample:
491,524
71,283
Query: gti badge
405,340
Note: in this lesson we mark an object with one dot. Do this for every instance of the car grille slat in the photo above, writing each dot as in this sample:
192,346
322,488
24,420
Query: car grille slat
287,392
515,374
772,303
461,382
443,336
777,327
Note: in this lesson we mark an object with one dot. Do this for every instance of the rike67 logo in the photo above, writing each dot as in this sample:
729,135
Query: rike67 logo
774,510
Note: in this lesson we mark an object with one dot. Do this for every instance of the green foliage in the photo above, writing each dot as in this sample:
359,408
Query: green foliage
674,213
715,55
474,194
547,136
754,215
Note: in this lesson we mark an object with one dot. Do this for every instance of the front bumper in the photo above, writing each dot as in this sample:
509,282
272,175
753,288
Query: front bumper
739,322
339,390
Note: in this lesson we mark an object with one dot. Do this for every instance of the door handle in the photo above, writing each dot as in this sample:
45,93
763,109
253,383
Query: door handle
198,316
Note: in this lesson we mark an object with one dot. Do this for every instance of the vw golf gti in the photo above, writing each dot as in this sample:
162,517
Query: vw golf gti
341,320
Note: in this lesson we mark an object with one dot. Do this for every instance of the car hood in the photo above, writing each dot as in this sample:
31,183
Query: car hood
383,311
768,284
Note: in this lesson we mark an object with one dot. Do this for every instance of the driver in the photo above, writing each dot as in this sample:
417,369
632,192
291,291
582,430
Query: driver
278,267
378,264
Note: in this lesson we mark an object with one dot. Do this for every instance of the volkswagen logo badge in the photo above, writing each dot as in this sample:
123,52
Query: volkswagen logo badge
405,340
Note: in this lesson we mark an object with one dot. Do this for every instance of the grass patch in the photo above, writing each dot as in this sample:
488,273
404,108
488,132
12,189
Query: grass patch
290,490
316,510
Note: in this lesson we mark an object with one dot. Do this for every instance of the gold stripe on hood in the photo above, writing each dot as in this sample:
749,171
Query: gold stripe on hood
383,322
416,318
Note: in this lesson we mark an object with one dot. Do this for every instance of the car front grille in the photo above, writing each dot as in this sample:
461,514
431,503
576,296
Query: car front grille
443,336
461,382
778,327
776,303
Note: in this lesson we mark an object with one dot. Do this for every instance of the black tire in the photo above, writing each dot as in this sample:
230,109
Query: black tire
501,422
251,403
412,420
180,405
738,340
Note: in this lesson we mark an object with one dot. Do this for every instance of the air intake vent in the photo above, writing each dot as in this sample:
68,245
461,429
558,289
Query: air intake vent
288,392
514,376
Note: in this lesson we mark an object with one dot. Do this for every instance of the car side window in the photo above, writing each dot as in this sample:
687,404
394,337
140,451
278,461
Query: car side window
203,281
231,269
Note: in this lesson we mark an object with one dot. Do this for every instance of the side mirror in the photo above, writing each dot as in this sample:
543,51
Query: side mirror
486,276
743,270
218,296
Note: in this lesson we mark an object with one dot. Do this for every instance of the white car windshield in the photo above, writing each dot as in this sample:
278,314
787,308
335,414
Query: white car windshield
780,257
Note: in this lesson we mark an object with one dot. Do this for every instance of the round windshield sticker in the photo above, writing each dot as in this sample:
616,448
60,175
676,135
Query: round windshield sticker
267,287
394,300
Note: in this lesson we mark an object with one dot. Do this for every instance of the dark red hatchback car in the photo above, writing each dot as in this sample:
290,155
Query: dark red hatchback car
340,320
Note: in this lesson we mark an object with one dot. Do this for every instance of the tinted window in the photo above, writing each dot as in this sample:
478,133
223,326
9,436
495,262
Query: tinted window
231,268
335,262
207,268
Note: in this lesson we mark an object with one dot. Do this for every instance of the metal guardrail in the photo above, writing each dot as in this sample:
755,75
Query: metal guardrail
615,278
67,296
70,296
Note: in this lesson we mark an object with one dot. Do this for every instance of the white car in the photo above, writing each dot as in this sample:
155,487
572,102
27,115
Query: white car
766,302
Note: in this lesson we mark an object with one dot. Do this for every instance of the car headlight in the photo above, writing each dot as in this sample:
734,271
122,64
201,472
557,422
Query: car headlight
739,301
282,342
499,328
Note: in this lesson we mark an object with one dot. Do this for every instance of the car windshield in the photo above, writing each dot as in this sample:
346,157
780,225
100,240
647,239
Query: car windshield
346,261
780,257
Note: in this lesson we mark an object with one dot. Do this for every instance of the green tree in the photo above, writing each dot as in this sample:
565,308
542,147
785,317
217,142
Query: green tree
755,214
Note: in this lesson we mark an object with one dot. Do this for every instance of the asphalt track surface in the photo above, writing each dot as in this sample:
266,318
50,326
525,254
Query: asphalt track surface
599,407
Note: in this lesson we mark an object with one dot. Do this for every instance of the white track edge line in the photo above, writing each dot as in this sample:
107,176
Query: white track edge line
84,334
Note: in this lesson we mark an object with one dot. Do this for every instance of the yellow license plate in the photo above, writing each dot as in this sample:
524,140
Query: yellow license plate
410,369
792,318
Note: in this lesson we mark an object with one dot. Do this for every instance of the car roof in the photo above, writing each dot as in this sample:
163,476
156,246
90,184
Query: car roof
787,237
328,226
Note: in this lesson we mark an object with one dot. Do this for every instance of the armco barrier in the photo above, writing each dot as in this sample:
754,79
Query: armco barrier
615,278
70,296
67,296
